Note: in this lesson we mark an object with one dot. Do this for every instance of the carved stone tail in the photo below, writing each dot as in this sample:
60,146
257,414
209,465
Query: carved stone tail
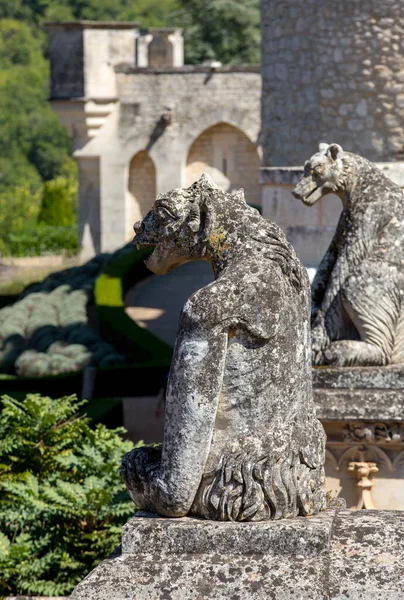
243,489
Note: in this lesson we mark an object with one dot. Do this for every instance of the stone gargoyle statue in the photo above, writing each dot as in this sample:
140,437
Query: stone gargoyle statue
358,291
241,440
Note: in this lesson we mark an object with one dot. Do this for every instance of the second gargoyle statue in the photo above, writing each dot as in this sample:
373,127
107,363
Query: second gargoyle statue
358,291
241,439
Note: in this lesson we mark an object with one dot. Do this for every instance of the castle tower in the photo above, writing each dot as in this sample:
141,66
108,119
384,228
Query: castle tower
332,72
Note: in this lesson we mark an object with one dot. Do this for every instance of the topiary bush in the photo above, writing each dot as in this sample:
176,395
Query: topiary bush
62,501
47,332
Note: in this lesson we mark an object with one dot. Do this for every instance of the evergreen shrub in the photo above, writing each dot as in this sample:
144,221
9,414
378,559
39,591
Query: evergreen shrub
57,205
62,501
43,240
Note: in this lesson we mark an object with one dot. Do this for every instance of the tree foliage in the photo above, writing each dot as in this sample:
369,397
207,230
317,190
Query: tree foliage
225,30
62,501
151,13
35,147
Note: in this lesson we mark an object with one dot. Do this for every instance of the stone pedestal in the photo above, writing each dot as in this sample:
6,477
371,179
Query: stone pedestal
362,411
344,555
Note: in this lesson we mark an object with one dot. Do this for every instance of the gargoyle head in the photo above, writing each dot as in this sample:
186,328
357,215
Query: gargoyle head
322,174
178,225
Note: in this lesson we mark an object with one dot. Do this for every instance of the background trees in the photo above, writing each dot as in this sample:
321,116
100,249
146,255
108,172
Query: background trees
36,169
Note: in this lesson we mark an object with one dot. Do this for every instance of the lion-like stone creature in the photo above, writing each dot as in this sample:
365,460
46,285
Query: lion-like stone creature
241,440
357,294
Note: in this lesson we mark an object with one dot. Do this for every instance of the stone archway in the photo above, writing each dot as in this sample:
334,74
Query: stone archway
229,157
141,187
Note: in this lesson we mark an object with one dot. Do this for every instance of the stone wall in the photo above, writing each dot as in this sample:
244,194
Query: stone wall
161,112
141,187
229,157
83,56
332,72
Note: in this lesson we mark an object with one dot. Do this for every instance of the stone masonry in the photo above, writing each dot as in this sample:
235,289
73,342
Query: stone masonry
143,123
333,72
337,555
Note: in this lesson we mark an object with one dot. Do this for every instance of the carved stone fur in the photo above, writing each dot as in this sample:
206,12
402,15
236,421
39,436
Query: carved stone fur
357,294
241,440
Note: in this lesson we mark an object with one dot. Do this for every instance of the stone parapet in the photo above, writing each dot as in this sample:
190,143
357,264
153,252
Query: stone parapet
128,68
336,555
390,377
368,404
362,411
361,393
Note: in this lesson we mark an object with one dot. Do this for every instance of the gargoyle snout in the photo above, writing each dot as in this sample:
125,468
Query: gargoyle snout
138,227
297,194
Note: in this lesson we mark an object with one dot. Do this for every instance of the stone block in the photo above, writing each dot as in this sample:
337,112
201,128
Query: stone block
362,410
336,555
359,393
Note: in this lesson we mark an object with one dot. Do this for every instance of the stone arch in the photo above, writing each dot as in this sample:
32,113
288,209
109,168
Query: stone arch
141,187
230,158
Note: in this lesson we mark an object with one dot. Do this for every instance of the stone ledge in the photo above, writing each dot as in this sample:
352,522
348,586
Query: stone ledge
129,68
391,377
290,175
359,393
360,557
358,405
299,536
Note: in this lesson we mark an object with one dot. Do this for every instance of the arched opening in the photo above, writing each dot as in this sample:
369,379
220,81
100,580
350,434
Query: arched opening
141,186
229,157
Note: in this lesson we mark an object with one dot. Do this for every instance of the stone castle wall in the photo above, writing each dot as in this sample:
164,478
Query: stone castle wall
162,112
332,72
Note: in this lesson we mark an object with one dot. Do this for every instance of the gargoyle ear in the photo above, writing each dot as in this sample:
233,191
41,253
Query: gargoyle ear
208,215
239,195
207,182
194,217
323,148
334,151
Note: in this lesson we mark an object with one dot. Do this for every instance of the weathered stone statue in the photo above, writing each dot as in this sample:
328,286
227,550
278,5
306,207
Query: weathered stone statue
357,294
241,440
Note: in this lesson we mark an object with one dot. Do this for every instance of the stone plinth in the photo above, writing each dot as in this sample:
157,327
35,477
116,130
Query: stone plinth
362,411
345,555
366,393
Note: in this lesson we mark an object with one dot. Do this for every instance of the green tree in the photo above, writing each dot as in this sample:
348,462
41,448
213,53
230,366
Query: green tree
225,30
62,501
35,147
151,13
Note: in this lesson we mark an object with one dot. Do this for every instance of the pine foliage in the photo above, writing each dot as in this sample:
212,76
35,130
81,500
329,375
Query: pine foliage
62,501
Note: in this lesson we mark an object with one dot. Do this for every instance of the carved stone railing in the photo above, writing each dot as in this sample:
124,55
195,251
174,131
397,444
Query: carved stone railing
362,411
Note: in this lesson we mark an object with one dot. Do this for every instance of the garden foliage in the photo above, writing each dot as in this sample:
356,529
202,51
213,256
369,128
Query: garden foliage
35,148
47,332
62,501
43,240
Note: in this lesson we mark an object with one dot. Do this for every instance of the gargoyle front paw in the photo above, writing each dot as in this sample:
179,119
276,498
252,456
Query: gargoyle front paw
319,339
334,357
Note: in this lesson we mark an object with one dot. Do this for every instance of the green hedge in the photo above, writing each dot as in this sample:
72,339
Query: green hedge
119,274
43,240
